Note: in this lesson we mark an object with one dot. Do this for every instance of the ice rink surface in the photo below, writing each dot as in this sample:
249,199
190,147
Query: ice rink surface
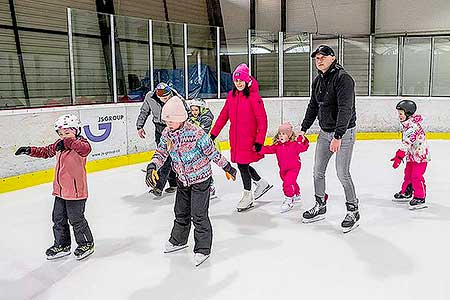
260,254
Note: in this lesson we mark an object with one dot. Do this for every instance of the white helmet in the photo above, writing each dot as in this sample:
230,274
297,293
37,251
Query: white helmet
198,102
68,121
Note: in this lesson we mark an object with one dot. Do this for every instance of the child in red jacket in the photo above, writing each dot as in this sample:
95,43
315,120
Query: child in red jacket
69,187
288,147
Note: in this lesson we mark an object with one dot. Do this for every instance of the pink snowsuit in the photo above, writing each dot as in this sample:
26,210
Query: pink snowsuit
248,124
288,156
417,155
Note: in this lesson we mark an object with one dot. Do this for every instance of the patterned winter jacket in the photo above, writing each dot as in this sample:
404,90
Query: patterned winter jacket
414,141
191,150
70,182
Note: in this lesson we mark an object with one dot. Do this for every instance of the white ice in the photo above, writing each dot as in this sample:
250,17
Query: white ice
260,254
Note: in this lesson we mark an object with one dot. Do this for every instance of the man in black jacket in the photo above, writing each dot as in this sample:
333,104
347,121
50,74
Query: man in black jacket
333,103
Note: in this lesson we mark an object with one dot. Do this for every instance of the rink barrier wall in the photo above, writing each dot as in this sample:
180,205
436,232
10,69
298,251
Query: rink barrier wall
112,132
45,176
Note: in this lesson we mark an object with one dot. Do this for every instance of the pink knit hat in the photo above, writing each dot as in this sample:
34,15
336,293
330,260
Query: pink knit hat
242,72
174,110
286,128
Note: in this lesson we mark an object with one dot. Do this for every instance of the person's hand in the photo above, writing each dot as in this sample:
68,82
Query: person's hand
335,145
258,147
141,133
152,175
23,150
398,158
213,137
60,146
230,172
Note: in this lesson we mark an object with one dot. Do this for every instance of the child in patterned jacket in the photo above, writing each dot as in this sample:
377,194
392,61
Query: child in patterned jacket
192,151
415,149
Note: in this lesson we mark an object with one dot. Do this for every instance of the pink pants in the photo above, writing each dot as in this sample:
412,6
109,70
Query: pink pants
414,175
290,186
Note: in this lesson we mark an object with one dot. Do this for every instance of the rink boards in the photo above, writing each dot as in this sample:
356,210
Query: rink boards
112,132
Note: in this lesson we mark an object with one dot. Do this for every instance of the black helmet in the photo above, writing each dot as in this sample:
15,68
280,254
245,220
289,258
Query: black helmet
408,106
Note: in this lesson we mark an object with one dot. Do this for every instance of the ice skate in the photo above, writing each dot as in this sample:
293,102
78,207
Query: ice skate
262,187
288,204
404,197
84,251
297,198
316,213
212,192
171,189
156,192
351,220
199,258
417,203
246,201
57,251
169,247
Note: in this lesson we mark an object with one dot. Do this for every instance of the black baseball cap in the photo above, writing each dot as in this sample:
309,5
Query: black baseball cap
324,50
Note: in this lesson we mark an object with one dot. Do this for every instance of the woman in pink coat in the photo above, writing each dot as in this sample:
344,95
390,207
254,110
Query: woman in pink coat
287,146
248,126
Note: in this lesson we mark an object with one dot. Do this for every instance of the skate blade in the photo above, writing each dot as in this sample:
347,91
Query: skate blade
264,191
176,249
144,170
59,255
245,209
417,207
198,263
313,220
86,254
347,230
213,197
286,210
406,200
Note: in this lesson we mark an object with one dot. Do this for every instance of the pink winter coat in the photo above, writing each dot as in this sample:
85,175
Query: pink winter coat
70,181
414,142
288,153
248,124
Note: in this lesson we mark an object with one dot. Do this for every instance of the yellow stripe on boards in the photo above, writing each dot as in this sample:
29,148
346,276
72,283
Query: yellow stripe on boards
18,182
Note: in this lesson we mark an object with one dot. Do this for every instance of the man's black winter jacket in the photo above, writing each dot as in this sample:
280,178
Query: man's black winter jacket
332,101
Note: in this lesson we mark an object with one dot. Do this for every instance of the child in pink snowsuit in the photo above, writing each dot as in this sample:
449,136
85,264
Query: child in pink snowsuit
414,147
288,147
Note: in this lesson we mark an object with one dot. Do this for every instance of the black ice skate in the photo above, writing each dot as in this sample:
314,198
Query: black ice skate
57,251
351,220
156,192
417,203
404,197
84,251
171,189
316,213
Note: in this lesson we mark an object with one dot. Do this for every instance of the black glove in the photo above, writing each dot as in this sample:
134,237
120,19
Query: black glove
60,146
23,150
152,175
258,147
230,172
213,137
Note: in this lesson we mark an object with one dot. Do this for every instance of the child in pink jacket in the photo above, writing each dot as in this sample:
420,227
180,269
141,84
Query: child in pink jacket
415,149
288,147
69,187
